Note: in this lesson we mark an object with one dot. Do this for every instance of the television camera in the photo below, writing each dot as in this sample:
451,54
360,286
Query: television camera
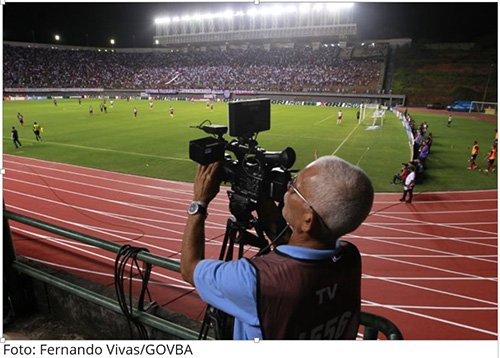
255,175
253,172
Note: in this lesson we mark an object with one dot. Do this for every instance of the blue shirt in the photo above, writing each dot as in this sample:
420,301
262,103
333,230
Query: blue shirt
231,286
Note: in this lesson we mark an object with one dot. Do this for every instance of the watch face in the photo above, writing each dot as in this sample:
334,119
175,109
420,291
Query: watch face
197,207
193,208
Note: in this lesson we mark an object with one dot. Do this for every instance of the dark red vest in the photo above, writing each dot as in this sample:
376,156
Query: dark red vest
309,299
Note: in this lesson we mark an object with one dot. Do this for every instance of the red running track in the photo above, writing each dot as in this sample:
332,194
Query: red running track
430,266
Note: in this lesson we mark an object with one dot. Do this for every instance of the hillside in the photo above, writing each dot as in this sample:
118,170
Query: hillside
429,73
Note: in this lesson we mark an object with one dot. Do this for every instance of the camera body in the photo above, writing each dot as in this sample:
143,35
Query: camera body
253,172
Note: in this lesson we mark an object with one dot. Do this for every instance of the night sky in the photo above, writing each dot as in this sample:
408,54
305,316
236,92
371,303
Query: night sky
132,24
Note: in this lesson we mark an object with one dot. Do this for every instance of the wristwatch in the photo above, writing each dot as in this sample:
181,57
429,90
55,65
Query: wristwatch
197,207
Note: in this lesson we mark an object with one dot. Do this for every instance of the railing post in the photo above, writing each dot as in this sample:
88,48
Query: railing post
17,295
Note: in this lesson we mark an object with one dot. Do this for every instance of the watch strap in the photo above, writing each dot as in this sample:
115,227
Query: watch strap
200,208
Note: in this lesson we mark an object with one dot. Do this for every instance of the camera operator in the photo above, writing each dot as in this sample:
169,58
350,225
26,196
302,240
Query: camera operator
308,288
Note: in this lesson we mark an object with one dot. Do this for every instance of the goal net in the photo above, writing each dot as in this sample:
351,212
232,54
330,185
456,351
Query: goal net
372,115
484,107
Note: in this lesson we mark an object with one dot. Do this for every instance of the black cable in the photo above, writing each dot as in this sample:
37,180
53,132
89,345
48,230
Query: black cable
266,249
127,255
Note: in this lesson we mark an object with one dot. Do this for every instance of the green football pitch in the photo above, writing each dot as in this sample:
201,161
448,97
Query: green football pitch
156,145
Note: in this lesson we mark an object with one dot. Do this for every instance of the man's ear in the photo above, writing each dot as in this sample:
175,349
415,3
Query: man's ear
307,222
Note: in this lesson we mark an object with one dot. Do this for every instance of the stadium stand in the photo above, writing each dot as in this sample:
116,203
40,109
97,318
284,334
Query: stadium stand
303,69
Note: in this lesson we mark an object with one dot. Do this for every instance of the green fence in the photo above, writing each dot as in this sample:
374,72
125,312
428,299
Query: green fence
372,324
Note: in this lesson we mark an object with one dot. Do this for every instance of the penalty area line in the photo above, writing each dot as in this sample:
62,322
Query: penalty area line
112,151
345,140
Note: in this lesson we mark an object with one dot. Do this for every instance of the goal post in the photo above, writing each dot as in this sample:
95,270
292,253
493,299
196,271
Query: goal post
372,115
483,107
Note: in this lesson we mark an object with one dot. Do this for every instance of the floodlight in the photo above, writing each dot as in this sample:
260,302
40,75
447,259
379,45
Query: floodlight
157,42
304,8
57,37
162,20
318,7
266,11
251,12
228,14
176,19
239,13
338,6
186,18
197,17
112,41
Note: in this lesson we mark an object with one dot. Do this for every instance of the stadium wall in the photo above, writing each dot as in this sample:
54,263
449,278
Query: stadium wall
46,93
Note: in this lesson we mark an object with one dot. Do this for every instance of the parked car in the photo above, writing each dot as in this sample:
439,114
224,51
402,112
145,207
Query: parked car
460,106
436,106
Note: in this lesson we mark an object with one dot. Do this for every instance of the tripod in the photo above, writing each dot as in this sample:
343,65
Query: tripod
236,233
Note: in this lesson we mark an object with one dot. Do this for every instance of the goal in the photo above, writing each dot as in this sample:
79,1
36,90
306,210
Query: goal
372,115
484,107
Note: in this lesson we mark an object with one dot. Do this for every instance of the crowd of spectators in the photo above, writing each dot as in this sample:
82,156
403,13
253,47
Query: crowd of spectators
422,143
276,69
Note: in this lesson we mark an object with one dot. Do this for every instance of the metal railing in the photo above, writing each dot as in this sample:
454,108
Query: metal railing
372,323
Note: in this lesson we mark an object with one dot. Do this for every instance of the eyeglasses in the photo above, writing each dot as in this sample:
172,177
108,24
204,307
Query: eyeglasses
291,185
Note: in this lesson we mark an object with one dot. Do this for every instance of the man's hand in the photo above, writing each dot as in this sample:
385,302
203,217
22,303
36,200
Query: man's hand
207,182
206,186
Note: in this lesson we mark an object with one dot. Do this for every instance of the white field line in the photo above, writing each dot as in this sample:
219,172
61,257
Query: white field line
439,308
122,217
362,155
431,212
425,278
416,234
106,150
189,185
395,201
448,256
432,223
105,214
466,240
321,121
108,231
174,199
441,292
161,211
96,255
345,139
413,238
413,247
409,220
428,267
85,184
432,318
104,176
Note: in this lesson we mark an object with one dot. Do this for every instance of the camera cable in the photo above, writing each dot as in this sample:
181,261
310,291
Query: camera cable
127,257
